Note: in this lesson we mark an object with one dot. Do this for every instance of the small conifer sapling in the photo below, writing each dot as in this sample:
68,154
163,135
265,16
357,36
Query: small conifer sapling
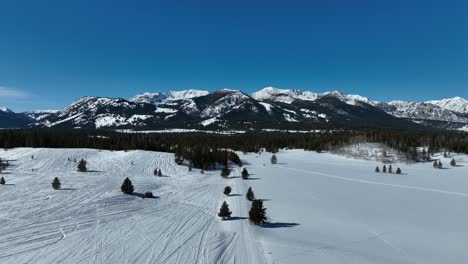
56,184
127,186
257,213
250,194
224,212
227,190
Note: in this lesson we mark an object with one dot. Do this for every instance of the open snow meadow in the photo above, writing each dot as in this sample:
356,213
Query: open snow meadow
321,208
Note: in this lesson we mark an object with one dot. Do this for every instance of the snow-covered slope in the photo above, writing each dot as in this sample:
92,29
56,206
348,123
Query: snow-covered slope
289,95
455,104
91,221
153,98
424,110
268,108
331,210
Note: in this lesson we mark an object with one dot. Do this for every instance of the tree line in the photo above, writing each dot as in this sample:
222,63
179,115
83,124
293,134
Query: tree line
203,149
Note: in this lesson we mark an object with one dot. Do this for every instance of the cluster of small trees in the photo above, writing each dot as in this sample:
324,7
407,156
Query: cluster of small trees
157,172
390,169
257,213
437,164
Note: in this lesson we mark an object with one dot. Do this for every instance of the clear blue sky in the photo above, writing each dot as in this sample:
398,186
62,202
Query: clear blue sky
53,52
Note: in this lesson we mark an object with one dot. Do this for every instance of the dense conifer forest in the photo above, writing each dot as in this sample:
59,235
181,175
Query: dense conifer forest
204,150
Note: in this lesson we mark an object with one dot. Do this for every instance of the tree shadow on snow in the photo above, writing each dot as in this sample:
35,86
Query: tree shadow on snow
234,218
234,177
6,184
264,200
253,179
93,171
234,195
68,189
142,195
279,225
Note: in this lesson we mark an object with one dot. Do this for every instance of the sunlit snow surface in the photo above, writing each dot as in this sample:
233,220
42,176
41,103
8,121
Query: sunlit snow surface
322,208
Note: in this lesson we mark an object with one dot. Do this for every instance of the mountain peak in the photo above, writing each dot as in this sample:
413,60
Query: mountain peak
4,109
455,104
159,97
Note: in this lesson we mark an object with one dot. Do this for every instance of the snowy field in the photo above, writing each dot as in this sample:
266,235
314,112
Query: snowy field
322,208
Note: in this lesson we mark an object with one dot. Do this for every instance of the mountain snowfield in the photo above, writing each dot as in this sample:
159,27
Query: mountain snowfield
321,208
268,108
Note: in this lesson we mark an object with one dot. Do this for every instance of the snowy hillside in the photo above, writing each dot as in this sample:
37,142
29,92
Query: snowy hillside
268,108
154,98
321,208
455,104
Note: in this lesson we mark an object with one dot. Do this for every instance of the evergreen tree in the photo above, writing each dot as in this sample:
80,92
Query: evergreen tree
398,171
2,181
434,164
257,214
453,162
82,165
160,173
224,212
250,194
227,190
377,169
225,172
245,174
56,184
127,186
149,195
439,165
390,169
384,169
155,172
274,159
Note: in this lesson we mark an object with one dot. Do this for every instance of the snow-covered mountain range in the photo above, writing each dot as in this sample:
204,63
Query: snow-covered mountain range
232,109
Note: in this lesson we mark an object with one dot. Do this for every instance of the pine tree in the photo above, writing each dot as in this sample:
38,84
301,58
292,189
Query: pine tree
390,169
384,169
257,214
227,190
2,181
398,171
56,184
149,195
127,186
274,159
439,165
82,165
377,169
434,164
225,172
250,194
453,163
245,174
155,172
224,212
160,173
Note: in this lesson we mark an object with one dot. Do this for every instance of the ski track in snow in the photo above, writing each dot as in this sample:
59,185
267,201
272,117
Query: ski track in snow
91,221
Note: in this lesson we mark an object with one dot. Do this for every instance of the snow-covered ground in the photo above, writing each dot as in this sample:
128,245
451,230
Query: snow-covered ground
322,208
